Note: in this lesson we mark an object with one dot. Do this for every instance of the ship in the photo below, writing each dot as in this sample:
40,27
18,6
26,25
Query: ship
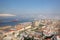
15,20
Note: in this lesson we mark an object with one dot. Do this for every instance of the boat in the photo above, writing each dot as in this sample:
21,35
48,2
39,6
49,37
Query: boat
15,20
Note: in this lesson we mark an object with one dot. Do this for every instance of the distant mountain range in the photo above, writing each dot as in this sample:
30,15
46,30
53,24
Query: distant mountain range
8,19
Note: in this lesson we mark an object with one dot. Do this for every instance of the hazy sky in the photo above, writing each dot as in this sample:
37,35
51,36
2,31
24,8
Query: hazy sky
29,8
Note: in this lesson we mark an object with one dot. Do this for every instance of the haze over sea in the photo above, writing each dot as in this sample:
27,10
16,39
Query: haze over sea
12,21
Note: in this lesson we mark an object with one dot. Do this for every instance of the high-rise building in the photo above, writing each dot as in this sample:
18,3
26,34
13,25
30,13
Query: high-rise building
35,23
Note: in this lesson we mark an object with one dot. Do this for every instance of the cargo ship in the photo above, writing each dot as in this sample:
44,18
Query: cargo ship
15,20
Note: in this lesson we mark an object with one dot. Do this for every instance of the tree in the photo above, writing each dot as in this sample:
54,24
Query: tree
41,25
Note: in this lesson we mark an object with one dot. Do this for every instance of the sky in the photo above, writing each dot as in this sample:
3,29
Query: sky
30,8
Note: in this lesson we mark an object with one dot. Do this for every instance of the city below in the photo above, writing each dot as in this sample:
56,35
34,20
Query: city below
43,29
